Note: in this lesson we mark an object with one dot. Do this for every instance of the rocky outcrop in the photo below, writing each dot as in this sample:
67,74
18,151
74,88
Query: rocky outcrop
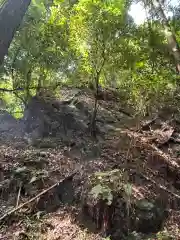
10,127
54,119
67,117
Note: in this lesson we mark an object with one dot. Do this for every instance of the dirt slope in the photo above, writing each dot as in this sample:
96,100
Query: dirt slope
148,154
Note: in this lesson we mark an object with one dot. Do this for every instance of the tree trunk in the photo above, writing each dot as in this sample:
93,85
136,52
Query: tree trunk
93,121
170,35
28,82
11,15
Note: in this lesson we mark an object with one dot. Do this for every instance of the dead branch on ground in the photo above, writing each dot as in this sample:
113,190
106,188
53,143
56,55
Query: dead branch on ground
37,196
155,151
160,186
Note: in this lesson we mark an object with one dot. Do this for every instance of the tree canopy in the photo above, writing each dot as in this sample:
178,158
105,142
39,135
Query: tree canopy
72,42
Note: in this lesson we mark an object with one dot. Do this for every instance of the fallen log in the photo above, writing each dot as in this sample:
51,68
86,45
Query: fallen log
37,196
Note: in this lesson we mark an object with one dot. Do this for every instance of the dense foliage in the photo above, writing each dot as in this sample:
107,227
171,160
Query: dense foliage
73,42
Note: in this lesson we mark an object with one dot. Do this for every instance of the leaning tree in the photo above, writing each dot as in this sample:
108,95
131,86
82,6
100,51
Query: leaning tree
11,15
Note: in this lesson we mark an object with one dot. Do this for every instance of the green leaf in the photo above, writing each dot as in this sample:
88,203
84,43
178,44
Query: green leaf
128,189
95,191
139,64
144,204
33,179
20,170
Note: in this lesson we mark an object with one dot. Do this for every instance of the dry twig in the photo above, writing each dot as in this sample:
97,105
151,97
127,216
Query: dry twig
19,193
160,186
37,196
155,151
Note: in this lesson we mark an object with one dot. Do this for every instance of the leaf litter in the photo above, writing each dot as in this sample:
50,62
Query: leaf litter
143,153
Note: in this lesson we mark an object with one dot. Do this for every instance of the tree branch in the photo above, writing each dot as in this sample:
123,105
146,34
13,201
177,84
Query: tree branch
37,196
23,89
11,90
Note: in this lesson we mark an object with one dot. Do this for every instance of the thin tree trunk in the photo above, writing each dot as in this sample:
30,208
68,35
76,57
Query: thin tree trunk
28,82
39,86
11,15
170,35
96,79
93,121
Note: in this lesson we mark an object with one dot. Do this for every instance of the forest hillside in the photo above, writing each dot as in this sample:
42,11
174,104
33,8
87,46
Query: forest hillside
89,120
